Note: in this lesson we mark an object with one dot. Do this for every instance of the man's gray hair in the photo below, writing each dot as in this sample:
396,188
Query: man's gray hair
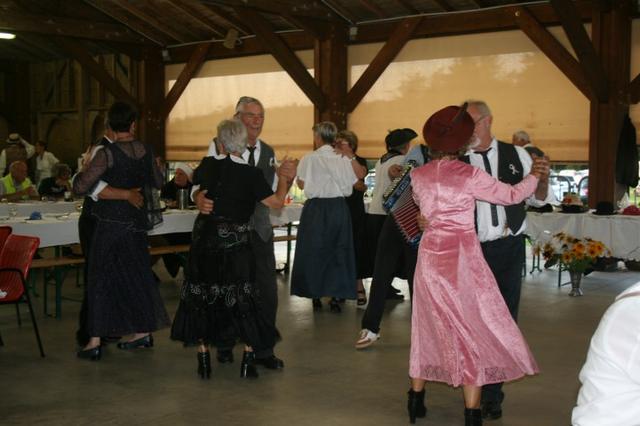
327,131
233,136
522,135
246,100
481,106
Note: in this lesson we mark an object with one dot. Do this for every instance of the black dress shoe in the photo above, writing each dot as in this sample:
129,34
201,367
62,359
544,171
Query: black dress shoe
472,417
248,368
93,354
415,405
224,356
143,342
391,295
271,362
491,410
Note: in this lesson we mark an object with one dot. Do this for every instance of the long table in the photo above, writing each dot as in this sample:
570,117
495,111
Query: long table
620,233
57,229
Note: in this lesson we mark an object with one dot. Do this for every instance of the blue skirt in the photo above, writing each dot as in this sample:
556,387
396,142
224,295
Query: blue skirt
324,262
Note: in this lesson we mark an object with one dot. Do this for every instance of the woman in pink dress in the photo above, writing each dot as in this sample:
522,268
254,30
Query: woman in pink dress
461,330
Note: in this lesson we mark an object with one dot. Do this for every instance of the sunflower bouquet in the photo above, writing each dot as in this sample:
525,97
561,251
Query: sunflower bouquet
574,254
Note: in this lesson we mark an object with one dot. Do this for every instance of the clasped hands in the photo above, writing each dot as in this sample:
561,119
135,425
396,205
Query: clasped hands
288,169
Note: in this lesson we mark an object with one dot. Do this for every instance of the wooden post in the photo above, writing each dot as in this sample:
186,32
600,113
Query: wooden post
330,64
611,36
151,96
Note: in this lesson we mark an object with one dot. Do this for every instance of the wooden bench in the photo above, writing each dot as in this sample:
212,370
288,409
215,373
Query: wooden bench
61,264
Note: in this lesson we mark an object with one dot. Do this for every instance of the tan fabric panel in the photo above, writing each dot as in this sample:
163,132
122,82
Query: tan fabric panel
522,87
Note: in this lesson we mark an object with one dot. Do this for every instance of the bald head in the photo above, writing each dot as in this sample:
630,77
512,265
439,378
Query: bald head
18,170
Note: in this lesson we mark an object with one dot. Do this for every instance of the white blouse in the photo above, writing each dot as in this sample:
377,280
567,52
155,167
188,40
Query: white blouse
326,174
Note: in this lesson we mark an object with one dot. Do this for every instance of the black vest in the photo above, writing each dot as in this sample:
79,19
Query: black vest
509,171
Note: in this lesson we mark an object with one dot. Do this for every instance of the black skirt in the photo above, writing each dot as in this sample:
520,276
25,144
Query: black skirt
324,262
219,304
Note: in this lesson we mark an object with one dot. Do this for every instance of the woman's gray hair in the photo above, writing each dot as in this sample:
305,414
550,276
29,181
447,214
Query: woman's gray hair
233,136
522,135
246,100
59,168
327,131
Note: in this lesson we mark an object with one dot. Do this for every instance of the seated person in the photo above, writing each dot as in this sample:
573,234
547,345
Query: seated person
56,185
16,185
181,180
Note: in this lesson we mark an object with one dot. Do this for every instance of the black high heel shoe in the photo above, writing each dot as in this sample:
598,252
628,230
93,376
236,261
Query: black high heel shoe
204,365
317,304
94,354
415,405
248,368
334,305
143,342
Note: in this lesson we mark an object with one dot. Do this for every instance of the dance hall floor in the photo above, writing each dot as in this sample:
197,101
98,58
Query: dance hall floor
325,380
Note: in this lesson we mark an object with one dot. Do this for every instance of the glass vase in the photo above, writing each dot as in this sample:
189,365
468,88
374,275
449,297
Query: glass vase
576,279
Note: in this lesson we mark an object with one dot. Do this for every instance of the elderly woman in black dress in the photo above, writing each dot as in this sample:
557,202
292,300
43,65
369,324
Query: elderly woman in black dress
218,303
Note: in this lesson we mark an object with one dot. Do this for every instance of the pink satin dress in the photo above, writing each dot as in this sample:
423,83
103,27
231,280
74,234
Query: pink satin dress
461,330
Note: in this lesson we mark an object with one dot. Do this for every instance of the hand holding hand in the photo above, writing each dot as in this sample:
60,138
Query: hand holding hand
288,169
540,167
135,198
205,205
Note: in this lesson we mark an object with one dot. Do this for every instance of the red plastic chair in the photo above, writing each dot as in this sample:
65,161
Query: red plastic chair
15,260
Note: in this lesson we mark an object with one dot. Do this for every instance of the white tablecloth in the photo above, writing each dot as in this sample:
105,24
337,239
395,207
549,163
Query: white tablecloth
25,209
57,229
620,233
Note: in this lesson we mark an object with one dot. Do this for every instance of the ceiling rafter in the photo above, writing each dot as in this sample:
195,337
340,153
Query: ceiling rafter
444,5
188,72
188,8
228,18
285,56
374,8
335,8
408,6
582,46
144,16
124,18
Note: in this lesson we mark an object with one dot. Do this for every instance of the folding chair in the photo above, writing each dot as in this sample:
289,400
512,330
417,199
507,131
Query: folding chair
5,231
15,260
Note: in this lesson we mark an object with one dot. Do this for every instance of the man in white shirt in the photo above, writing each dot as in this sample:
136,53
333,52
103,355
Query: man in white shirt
610,392
45,161
500,229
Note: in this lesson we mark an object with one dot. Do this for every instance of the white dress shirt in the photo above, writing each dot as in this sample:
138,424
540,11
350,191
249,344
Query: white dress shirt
487,232
610,393
44,165
382,183
326,174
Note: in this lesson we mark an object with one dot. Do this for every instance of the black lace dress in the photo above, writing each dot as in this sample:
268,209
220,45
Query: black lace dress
123,296
219,304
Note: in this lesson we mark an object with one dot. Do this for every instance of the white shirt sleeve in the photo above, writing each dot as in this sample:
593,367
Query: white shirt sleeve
29,148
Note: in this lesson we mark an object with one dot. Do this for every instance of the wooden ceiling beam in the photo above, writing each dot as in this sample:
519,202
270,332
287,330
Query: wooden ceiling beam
555,51
22,45
313,9
156,24
124,18
408,6
444,5
318,29
335,8
634,90
188,72
187,7
583,47
284,55
399,38
41,43
228,18
51,25
78,52
374,8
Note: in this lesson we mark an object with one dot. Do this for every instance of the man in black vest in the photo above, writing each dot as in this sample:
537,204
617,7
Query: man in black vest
258,154
87,224
500,228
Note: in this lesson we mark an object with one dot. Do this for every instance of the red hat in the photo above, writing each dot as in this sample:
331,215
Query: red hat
449,129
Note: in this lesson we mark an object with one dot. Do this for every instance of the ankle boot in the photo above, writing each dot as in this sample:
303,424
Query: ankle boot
248,367
204,365
415,405
472,417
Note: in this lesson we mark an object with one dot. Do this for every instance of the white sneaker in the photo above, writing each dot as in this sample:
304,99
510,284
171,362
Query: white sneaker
367,338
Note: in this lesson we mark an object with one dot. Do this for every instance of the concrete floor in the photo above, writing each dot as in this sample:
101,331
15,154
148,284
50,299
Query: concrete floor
325,381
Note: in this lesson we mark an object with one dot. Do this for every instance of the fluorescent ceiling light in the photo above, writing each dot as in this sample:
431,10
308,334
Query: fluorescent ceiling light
7,36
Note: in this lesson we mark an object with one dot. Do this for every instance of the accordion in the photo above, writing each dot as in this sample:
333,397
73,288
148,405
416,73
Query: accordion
398,201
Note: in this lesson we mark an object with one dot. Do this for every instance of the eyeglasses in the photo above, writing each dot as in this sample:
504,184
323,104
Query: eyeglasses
251,115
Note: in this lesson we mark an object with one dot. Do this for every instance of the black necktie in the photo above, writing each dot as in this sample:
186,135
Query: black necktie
252,159
487,168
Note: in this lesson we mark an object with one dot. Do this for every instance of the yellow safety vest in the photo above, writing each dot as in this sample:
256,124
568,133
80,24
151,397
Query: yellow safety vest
10,188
